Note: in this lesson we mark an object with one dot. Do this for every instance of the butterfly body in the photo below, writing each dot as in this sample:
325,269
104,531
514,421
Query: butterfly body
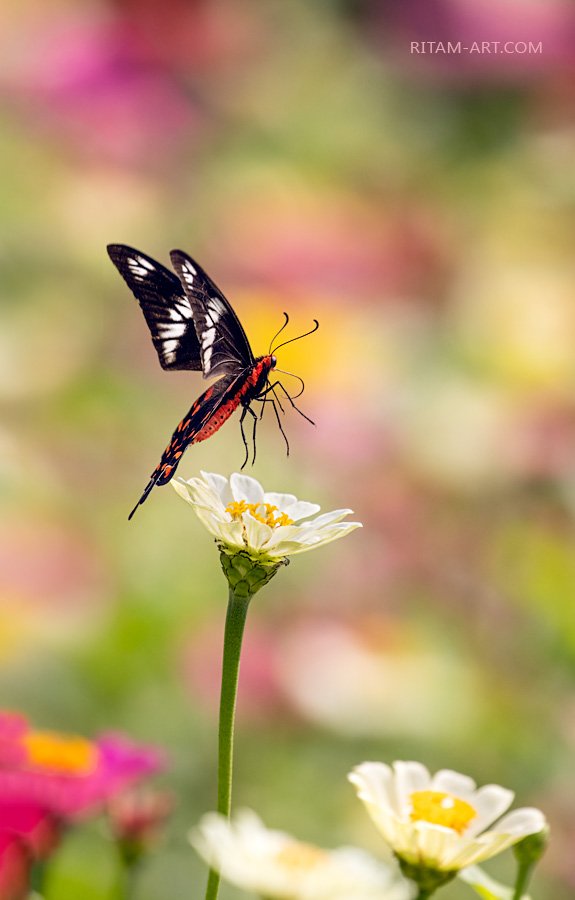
211,410
194,327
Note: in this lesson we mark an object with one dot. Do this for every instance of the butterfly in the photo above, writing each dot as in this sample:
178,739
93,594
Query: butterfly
194,327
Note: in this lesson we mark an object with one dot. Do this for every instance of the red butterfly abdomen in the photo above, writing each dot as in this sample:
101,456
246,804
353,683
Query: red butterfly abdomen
217,419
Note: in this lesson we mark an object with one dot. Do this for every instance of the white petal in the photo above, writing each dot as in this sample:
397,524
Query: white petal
231,533
219,485
480,849
327,518
258,533
409,778
202,495
489,802
374,782
282,501
520,822
246,488
301,510
182,488
284,548
311,540
450,782
437,845
402,838
284,534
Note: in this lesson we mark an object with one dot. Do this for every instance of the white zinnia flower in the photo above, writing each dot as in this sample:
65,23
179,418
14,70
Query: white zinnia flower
275,865
440,822
242,516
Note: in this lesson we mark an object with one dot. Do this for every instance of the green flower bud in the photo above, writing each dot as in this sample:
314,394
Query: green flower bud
530,850
427,880
246,573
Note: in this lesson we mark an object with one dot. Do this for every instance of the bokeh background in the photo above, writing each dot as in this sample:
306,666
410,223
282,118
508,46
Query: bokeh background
422,207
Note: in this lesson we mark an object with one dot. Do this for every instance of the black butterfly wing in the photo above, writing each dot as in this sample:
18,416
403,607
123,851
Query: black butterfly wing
224,347
207,407
164,304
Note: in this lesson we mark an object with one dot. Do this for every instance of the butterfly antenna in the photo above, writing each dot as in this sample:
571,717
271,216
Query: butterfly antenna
277,334
298,338
291,374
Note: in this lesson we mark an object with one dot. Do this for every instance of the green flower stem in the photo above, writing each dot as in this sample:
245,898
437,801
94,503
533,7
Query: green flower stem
527,853
38,877
524,873
235,622
129,880
246,573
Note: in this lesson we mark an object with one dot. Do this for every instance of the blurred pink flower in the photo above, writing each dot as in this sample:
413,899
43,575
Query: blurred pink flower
83,81
338,245
137,818
541,442
66,774
551,22
14,866
65,577
58,597
193,35
37,828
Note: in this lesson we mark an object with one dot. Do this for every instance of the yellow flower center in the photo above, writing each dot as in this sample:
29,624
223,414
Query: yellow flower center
263,512
65,754
438,808
296,856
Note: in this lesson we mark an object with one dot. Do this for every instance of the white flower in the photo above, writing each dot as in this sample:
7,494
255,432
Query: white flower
275,865
241,515
440,822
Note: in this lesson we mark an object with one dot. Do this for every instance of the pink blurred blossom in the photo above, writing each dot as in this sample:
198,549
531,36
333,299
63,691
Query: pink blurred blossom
336,245
541,442
37,827
106,767
137,817
65,577
83,82
14,866
193,35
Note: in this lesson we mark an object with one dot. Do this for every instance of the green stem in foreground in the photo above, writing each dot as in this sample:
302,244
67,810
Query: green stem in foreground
235,622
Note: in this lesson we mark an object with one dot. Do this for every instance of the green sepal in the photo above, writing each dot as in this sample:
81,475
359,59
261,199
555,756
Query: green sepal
247,573
427,880
531,848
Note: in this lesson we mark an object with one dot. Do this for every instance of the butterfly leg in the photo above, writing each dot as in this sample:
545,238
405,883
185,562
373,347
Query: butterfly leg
263,396
278,384
279,421
255,425
247,449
